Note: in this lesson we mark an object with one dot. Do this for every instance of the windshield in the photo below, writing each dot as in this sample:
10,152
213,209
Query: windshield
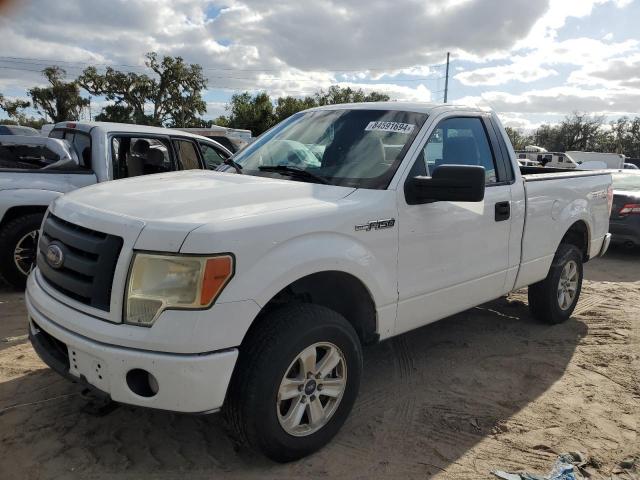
355,148
626,182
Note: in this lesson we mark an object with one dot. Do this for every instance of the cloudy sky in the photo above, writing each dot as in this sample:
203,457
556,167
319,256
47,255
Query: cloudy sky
532,60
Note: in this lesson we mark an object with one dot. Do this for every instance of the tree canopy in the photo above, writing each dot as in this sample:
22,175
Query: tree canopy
173,92
60,100
258,112
583,132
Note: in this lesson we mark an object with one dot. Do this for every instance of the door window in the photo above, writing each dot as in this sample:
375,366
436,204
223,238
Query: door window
134,156
187,154
212,156
457,141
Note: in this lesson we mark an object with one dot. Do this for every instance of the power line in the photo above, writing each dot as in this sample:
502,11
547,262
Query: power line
228,77
79,64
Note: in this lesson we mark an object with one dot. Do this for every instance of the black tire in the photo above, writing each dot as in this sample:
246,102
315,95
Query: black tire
251,408
543,296
10,235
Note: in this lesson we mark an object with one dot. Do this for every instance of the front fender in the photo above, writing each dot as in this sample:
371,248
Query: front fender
25,198
304,255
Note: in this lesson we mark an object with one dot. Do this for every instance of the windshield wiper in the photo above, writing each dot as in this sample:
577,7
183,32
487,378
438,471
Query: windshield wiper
294,172
234,164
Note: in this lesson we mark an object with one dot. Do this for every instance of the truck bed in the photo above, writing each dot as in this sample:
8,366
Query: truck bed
534,174
553,197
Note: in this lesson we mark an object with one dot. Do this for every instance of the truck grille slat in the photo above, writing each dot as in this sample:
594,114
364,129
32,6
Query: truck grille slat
90,257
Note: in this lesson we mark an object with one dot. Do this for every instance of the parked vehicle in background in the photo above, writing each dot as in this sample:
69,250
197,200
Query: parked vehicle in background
18,130
612,160
624,223
31,174
254,289
545,158
232,138
524,162
631,166
46,129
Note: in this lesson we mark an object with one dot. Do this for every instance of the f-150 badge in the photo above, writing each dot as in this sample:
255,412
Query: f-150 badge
376,225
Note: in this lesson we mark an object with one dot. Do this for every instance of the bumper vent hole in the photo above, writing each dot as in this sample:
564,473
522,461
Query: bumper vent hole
142,382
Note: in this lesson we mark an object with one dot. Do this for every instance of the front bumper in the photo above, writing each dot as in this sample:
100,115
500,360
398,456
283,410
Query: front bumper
193,383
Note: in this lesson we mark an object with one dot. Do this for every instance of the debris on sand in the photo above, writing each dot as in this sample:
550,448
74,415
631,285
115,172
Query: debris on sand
567,467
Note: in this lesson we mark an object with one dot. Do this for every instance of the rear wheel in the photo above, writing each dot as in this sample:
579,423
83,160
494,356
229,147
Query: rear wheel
296,381
553,299
18,247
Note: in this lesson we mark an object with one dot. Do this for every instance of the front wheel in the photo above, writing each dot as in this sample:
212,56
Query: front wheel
553,299
296,381
18,246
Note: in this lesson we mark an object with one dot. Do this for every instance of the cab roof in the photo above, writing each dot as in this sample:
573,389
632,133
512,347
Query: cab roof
418,107
85,126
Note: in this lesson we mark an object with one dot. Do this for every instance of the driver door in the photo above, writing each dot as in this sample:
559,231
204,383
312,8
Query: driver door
453,255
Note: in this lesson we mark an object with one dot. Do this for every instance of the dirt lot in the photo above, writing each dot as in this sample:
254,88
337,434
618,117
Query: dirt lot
489,388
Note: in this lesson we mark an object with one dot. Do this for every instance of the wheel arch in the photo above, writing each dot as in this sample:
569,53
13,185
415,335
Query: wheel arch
578,235
20,211
337,290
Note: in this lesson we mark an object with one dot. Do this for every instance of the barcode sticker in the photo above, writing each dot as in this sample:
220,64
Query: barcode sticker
396,127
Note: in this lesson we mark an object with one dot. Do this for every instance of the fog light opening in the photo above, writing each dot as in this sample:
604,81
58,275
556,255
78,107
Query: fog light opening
142,382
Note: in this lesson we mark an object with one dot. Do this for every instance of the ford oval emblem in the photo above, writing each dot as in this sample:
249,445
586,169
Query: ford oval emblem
55,256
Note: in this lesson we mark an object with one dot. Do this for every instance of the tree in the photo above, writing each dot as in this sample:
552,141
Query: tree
61,100
252,112
14,108
258,114
518,139
174,92
287,106
336,94
116,113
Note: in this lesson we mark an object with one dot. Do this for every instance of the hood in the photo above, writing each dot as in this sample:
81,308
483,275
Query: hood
176,203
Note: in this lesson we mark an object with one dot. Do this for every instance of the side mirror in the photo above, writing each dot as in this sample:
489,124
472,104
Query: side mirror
453,183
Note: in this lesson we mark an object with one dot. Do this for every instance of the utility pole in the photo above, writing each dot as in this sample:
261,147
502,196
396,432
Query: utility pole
446,81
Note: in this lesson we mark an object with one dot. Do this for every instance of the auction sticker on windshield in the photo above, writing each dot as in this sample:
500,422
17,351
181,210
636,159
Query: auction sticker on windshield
396,127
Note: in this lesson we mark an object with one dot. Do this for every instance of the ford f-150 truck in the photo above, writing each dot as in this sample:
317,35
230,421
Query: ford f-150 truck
253,289
31,175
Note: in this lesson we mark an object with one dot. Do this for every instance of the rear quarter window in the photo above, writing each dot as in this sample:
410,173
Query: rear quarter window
26,157
80,141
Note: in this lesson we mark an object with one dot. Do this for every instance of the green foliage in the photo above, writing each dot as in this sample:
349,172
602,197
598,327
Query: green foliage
336,94
258,113
253,112
584,133
115,113
518,139
61,100
16,116
174,92
287,106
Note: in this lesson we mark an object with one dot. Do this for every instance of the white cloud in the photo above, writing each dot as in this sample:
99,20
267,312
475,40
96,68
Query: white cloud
293,48
560,99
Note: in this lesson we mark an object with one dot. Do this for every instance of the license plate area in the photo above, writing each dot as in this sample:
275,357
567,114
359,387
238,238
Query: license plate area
92,369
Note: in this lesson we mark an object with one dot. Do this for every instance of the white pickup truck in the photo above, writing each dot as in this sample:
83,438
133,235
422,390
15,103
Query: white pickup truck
32,176
253,290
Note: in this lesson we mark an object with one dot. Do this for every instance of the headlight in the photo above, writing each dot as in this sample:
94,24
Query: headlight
160,282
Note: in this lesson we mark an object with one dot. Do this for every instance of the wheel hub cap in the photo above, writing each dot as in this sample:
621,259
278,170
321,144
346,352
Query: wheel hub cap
311,389
24,255
568,285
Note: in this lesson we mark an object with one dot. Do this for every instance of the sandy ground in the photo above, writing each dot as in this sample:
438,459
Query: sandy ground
486,389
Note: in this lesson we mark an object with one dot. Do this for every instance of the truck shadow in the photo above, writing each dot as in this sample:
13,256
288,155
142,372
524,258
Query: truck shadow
426,398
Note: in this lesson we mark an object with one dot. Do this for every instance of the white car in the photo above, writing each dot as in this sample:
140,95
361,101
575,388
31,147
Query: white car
253,290
31,175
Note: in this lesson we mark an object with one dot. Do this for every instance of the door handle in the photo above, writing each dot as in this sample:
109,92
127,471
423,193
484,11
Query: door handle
503,211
